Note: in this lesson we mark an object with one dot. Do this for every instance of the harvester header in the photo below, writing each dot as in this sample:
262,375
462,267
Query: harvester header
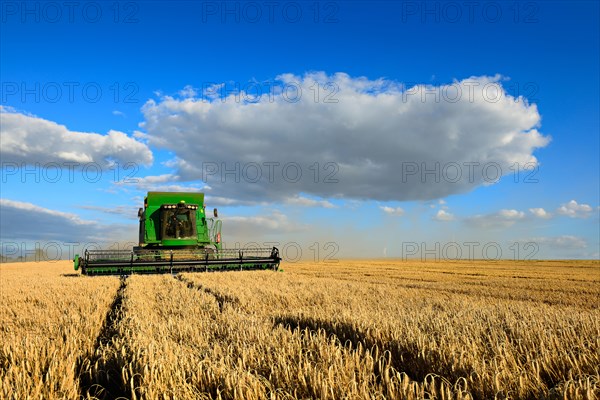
175,235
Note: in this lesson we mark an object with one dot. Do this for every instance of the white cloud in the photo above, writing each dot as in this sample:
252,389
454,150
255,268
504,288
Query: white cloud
129,212
574,210
386,129
249,227
443,215
30,207
306,202
511,214
171,183
27,221
540,213
212,201
160,183
30,139
562,242
502,219
188,91
395,211
156,179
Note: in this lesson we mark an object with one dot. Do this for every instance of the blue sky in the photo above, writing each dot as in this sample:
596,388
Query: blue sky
387,74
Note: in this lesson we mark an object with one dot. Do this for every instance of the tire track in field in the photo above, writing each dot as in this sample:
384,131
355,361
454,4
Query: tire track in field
100,372
221,298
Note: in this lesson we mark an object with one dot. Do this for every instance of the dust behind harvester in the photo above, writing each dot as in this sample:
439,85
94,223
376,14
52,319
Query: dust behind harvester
176,236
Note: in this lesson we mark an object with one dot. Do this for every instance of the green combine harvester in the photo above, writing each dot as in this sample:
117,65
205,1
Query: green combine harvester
176,236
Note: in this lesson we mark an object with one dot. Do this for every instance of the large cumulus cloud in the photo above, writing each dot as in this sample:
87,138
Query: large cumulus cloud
369,139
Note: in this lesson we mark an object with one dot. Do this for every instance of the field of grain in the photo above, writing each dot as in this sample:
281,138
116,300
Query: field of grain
351,329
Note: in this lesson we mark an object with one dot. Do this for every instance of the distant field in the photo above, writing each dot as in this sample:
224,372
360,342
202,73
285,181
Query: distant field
351,329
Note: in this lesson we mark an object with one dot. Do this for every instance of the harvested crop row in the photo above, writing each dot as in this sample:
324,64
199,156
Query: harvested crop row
49,325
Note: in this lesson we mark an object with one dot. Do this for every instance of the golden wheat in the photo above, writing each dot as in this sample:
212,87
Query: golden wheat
49,324
352,329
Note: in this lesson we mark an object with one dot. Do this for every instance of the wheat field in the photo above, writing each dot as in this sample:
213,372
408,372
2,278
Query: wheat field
351,329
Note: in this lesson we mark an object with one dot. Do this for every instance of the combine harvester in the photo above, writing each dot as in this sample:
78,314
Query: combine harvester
176,236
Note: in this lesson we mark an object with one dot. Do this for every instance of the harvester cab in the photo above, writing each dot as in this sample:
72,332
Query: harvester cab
175,235
178,222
